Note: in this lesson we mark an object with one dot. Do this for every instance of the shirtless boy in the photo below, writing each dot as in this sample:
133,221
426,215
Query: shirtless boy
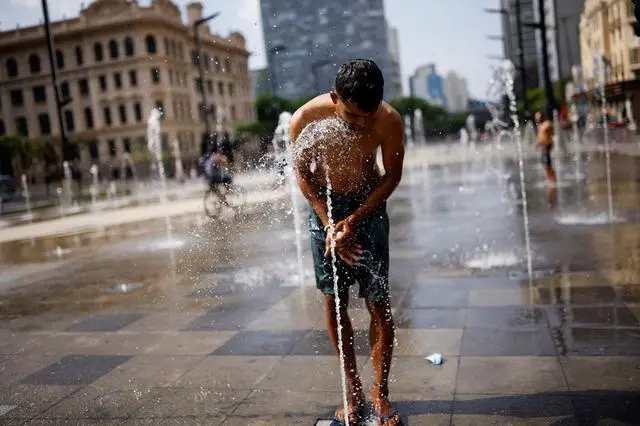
361,233
545,143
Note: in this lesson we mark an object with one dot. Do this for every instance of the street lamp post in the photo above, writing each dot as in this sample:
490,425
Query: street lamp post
60,103
272,52
203,93
314,72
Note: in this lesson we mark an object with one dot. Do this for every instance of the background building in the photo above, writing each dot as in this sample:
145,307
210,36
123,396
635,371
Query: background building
306,41
260,82
427,84
567,15
605,28
117,60
393,81
529,41
456,91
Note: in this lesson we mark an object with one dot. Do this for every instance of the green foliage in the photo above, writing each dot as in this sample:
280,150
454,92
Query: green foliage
437,121
537,99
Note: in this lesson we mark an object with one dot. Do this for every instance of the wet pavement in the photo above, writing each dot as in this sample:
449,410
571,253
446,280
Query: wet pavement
210,324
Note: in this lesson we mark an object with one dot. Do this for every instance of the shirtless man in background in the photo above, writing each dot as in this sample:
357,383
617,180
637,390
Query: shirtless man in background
545,143
342,156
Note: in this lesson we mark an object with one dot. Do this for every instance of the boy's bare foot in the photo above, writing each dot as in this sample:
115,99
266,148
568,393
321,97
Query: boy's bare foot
386,414
354,407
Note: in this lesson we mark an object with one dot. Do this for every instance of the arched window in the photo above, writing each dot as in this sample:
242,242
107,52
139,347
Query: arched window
59,59
113,49
98,52
150,41
205,59
79,56
34,64
12,67
227,65
128,47
216,62
174,49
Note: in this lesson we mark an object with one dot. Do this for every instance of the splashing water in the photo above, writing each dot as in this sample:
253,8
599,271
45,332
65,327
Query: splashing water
601,78
310,148
336,292
27,195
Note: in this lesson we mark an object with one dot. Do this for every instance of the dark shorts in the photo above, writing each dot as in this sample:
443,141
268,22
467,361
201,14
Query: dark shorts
371,272
545,157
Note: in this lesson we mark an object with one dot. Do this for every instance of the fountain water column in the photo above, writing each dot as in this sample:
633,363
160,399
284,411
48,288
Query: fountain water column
95,186
67,183
509,71
408,135
180,175
27,195
154,144
418,126
281,137
601,78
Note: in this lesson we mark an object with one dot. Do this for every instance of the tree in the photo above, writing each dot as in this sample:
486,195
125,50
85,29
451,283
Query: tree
436,120
268,108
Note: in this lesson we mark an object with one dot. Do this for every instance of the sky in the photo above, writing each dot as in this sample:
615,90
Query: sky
451,33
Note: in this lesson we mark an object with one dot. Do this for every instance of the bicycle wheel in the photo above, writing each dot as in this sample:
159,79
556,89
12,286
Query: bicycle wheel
213,202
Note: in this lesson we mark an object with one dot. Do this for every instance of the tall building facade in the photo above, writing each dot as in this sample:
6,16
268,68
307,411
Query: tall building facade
116,61
567,16
456,91
605,29
427,84
529,40
394,79
306,41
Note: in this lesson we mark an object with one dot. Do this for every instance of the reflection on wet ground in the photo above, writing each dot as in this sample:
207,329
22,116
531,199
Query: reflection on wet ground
209,324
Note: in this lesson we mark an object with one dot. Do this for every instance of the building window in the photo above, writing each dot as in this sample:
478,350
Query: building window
98,53
198,84
129,49
117,80
137,109
88,117
205,60
2,128
133,78
94,153
233,113
113,49
107,116
181,51
123,114
112,148
220,88
34,64
64,90
166,47
22,127
194,57
12,67
17,100
126,142
39,94
210,87
69,121
151,44
45,124
230,89
174,49
227,65
83,87
216,62
155,75
103,82
59,59
79,56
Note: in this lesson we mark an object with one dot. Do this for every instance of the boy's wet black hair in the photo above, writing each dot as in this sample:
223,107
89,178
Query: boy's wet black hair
361,83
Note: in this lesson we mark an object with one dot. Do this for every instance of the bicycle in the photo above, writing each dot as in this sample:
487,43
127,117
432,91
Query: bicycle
220,195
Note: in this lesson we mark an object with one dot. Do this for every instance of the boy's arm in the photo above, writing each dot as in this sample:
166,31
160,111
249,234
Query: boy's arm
392,147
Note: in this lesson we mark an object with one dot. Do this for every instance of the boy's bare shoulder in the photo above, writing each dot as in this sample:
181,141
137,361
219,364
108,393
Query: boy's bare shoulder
388,118
317,108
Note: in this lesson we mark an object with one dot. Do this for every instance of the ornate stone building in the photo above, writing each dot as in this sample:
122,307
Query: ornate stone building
116,61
